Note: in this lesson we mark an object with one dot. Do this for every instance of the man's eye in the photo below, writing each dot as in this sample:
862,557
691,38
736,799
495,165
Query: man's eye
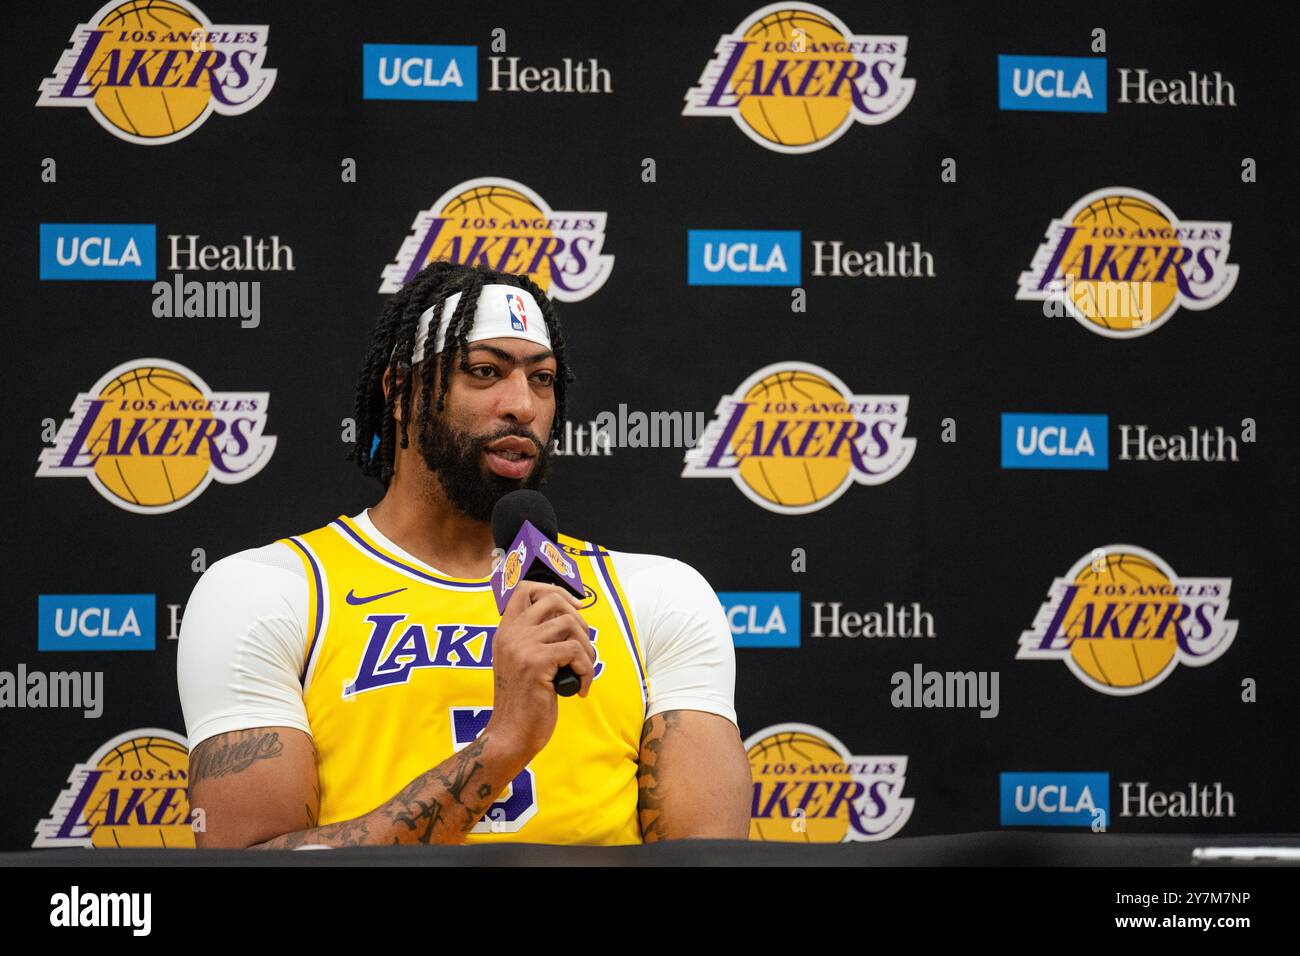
545,378
483,371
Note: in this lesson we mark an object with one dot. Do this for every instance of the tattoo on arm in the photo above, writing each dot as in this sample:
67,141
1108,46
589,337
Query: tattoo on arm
446,801
650,790
232,753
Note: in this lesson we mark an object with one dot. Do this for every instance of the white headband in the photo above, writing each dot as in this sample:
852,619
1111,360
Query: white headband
504,312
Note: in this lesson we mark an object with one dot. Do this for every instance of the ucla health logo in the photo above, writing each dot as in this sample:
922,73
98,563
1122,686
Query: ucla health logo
95,622
810,788
1121,263
150,436
504,225
743,257
762,618
152,73
408,71
793,438
1055,441
1055,800
1075,84
1121,620
120,251
133,791
793,77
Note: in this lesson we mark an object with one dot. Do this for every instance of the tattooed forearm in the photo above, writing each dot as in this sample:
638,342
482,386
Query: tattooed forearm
419,810
650,787
232,753
439,806
346,833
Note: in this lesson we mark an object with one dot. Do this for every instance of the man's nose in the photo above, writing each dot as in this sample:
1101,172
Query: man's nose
515,397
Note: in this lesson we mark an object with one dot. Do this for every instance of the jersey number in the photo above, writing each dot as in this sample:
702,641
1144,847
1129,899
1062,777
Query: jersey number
518,802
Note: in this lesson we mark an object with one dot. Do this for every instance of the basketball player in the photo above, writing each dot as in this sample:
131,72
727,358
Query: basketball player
356,684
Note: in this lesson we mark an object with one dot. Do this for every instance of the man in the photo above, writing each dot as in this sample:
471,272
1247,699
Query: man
355,685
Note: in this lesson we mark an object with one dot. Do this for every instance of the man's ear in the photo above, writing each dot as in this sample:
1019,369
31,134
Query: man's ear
389,383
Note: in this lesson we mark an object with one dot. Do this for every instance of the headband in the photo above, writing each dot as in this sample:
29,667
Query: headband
504,312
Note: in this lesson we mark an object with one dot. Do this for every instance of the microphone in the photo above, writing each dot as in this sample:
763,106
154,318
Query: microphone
524,526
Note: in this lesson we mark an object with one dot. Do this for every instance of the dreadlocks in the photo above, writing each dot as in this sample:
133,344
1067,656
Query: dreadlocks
393,342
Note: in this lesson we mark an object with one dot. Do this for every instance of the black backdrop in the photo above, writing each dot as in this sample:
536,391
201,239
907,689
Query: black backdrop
976,545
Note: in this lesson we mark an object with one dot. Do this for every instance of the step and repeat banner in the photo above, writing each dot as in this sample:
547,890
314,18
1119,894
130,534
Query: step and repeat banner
952,343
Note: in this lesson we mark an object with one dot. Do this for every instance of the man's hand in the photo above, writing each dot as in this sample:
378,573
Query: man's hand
540,632
694,778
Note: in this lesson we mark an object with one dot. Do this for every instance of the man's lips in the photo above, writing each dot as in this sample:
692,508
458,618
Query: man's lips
511,457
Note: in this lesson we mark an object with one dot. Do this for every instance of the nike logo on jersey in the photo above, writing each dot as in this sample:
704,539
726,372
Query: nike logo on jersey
352,598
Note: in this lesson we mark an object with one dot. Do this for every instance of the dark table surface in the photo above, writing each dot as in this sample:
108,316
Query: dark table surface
995,848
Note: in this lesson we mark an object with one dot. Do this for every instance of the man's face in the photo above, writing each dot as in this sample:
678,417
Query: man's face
491,436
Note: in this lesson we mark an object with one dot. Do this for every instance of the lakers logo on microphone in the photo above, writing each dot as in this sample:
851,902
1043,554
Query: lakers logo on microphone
793,438
514,564
152,71
557,557
1122,620
794,78
151,436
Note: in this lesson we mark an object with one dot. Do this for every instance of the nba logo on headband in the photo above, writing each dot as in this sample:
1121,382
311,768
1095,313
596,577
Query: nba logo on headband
502,312
518,317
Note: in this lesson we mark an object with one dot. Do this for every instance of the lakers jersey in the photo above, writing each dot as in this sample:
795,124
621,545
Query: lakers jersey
397,677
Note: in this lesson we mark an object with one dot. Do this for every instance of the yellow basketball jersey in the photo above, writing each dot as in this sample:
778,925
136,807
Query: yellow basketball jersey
398,676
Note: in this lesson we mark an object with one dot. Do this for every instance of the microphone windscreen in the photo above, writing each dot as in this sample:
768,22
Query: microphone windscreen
512,510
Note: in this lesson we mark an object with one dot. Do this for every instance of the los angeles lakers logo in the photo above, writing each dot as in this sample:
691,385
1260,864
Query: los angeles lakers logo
152,71
133,791
793,438
503,225
1122,620
514,564
150,436
557,558
1121,263
793,78
808,788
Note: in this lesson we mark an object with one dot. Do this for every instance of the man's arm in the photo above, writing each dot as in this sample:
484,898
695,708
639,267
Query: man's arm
258,788
694,779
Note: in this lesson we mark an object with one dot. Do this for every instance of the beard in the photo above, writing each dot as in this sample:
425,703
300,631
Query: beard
456,457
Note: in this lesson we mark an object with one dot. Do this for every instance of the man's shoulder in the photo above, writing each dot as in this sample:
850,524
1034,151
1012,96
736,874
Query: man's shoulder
649,575
253,571
629,560
251,592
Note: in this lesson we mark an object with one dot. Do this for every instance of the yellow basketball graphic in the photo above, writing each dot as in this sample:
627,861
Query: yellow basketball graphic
513,566
1120,662
149,480
1111,303
791,120
469,220
150,111
154,767
791,481
796,756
